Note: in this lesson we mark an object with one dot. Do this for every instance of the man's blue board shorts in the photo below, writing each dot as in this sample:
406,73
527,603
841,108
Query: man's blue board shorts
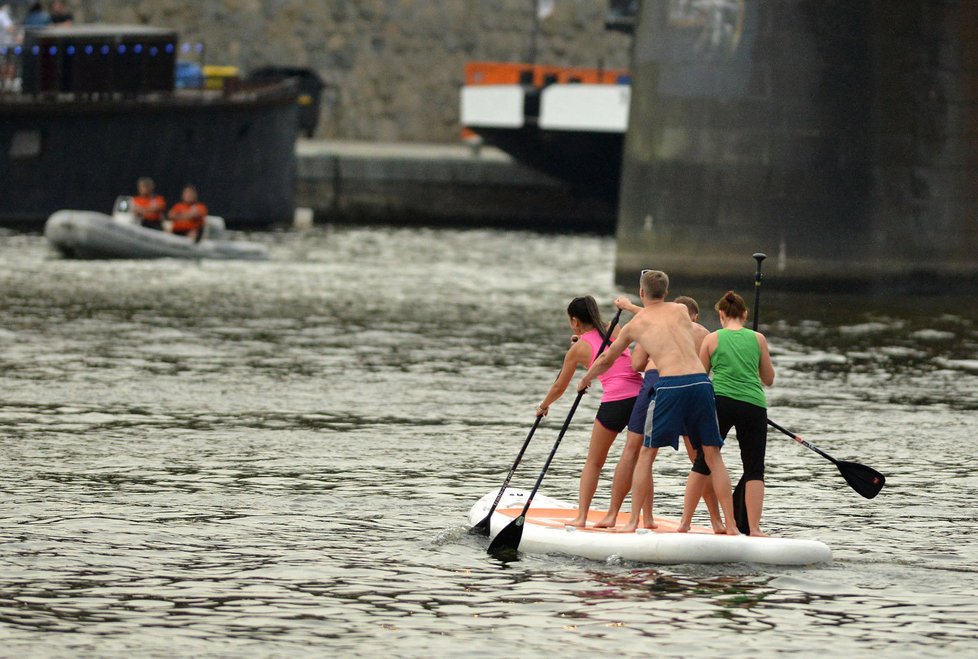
637,421
683,404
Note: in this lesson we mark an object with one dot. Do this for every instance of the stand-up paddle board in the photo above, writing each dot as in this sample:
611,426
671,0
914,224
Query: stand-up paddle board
546,532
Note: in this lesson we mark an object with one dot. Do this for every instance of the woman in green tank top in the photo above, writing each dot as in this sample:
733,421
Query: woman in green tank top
741,367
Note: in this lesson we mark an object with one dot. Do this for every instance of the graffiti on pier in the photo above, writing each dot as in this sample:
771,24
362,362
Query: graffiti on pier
716,24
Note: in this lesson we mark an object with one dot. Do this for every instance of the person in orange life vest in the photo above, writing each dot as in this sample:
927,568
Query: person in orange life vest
147,206
188,215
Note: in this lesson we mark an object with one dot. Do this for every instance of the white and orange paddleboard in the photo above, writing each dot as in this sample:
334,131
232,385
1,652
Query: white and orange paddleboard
546,532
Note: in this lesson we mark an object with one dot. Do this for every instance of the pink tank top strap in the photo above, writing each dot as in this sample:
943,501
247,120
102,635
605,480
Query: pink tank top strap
595,340
620,381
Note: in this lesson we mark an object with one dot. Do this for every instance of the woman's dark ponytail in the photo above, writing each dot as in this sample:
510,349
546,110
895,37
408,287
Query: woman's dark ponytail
585,309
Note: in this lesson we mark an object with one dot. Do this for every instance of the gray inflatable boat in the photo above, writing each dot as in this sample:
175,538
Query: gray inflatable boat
94,235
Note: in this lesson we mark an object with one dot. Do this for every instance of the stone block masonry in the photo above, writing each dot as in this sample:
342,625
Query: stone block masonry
393,68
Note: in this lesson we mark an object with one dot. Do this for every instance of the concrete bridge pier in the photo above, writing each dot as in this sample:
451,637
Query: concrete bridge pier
837,136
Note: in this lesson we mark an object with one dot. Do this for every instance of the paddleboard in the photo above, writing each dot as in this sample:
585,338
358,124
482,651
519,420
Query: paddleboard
546,532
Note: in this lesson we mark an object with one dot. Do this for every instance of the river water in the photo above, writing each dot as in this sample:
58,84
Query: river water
277,458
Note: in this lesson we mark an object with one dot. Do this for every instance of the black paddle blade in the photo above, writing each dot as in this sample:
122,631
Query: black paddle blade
507,542
868,482
482,528
740,507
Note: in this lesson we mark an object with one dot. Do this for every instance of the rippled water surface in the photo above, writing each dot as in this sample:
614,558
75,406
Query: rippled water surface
278,458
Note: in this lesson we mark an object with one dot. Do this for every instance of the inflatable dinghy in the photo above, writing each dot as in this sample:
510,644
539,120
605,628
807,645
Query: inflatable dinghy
93,235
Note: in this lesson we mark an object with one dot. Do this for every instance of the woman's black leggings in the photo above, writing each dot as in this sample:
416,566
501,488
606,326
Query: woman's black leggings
750,422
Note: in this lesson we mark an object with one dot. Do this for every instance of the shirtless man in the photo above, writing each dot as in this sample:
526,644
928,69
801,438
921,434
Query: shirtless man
684,399
622,481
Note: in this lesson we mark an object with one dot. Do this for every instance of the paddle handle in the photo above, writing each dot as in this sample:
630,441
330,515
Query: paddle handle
801,441
759,257
570,415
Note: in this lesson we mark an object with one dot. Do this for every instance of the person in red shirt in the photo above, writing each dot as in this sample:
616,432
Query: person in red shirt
188,215
147,206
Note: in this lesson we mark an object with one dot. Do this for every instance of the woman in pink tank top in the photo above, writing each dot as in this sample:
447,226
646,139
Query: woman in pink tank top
620,387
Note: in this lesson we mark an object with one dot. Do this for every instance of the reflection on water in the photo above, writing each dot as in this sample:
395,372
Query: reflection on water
278,457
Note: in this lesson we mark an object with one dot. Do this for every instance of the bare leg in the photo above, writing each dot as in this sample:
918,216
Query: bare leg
709,496
721,485
713,506
754,500
648,521
622,481
641,489
694,492
601,440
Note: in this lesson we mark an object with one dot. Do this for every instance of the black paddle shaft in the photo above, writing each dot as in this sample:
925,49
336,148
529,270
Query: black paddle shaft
482,528
507,541
740,492
801,441
865,480
758,256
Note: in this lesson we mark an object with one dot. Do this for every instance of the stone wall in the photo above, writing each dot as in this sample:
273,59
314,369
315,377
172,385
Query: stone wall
393,67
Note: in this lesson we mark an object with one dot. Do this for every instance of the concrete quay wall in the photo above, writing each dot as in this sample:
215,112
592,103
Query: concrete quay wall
437,184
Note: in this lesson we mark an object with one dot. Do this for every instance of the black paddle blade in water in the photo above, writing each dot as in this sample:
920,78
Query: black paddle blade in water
482,528
507,541
865,480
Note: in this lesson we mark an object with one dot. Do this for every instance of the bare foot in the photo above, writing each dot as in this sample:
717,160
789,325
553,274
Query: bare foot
719,529
650,524
683,527
580,521
733,530
607,522
628,528
757,533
